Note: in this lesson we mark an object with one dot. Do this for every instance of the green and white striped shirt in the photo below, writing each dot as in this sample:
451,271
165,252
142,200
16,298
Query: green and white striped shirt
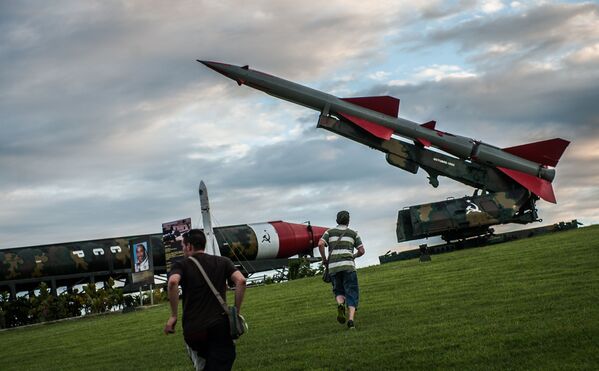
341,251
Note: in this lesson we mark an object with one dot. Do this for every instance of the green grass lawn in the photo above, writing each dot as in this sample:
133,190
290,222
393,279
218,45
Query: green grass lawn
529,304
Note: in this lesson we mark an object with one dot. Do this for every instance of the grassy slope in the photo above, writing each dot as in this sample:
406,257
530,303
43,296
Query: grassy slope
530,304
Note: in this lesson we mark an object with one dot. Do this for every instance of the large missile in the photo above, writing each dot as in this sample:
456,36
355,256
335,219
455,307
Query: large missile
270,240
526,164
254,246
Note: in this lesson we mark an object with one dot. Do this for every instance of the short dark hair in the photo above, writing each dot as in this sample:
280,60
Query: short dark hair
343,217
196,238
143,247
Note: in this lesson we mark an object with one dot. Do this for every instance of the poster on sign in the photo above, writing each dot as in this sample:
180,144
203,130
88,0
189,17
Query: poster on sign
142,266
172,237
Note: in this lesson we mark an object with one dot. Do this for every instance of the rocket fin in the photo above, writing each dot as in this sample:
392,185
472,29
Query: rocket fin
546,152
383,104
374,129
423,141
538,186
429,125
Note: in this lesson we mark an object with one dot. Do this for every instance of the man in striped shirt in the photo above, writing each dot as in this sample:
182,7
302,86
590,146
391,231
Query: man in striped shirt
341,242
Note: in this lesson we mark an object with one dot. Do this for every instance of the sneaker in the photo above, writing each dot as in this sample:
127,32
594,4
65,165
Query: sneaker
350,325
341,313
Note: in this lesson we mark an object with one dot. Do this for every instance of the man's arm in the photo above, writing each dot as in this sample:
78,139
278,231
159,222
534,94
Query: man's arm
321,245
239,281
173,298
360,252
360,246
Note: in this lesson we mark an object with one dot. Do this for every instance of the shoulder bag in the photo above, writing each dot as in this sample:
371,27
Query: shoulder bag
236,321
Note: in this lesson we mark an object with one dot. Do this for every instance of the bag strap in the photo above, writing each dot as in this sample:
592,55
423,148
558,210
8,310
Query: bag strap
220,298
331,247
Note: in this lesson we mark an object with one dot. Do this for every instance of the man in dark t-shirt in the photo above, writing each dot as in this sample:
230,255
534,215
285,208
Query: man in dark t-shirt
205,325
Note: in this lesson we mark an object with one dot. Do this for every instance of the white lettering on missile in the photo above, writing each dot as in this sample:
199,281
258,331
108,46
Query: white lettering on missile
79,253
98,251
115,249
443,161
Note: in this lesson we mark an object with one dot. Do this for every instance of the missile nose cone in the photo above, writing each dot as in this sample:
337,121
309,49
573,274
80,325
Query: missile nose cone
233,72
218,67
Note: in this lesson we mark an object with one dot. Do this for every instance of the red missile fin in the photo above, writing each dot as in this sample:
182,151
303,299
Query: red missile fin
429,125
385,104
538,186
424,142
547,152
374,129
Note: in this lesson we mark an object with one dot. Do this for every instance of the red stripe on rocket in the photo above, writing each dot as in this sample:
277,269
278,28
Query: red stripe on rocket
278,239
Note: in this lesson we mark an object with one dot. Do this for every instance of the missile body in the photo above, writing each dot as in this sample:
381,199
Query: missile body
71,263
525,166
271,240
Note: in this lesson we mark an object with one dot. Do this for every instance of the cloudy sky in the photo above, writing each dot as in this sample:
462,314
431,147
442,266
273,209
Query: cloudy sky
108,123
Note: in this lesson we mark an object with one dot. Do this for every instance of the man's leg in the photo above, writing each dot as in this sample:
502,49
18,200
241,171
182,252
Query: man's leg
351,312
352,295
339,292
198,362
221,349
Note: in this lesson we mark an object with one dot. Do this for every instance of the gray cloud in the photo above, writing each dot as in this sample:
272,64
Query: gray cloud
109,124
540,29
441,9
523,101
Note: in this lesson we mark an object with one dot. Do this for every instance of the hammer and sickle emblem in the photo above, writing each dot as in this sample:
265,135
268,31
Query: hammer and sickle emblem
472,207
266,237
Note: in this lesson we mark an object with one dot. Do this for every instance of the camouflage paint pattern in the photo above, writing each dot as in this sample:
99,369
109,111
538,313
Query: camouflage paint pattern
64,259
465,217
237,242
12,263
74,261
